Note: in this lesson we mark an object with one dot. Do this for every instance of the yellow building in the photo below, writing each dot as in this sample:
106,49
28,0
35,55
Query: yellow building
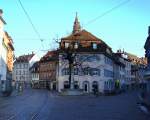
10,51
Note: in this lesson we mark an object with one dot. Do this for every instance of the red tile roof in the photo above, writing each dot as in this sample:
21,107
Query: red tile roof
82,35
50,56
24,58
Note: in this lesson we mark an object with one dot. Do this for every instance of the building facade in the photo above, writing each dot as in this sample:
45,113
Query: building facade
48,68
22,64
124,74
6,57
10,51
93,64
34,70
3,50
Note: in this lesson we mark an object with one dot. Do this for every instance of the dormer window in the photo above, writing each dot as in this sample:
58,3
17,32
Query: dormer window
76,45
66,45
94,46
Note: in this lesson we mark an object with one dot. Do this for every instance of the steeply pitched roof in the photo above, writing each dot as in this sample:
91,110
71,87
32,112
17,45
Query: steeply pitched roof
10,43
24,58
82,35
50,56
85,39
136,59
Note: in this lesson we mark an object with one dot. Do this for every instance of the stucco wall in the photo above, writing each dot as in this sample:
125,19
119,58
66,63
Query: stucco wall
91,63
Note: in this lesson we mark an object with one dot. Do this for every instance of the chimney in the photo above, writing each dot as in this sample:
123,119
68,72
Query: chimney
1,12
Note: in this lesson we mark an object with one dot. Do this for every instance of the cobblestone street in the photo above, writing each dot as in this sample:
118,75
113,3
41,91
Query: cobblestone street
44,105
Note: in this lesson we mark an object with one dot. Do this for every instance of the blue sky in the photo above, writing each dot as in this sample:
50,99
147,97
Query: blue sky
125,27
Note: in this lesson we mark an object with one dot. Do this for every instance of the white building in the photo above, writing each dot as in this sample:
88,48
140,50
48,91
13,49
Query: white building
94,65
34,70
94,62
3,54
22,64
125,69
3,50
93,71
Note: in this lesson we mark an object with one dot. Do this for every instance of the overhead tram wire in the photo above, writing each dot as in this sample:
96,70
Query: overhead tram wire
107,12
33,26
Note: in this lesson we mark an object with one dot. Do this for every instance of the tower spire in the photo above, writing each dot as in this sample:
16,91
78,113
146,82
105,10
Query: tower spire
76,26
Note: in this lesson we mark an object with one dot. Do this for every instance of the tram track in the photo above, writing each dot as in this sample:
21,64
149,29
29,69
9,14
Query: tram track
35,114
7,102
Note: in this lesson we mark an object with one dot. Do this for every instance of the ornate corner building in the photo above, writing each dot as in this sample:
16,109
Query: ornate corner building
94,65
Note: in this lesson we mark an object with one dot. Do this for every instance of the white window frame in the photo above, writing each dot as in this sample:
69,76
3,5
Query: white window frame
94,45
66,44
76,45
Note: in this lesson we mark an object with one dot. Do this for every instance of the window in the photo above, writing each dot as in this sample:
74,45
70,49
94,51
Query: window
66,45
108,61
76,45
108,73
94,46
94,71
17,65
76,71
86,71
65,71
21,65
108,51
